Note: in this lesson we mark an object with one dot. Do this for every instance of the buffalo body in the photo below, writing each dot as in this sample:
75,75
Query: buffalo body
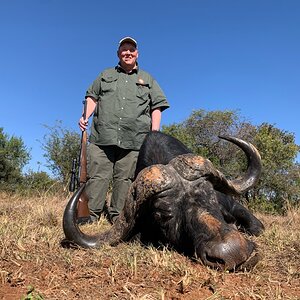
181,200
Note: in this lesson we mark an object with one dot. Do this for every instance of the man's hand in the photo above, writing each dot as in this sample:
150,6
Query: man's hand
83,124
89,109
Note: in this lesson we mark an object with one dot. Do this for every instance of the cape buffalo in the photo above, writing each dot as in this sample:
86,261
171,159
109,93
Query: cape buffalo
181,200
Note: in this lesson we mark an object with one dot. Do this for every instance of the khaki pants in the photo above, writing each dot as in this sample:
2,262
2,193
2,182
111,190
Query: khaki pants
106,163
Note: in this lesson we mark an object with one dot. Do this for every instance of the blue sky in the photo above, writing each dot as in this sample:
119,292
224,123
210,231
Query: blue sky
213,55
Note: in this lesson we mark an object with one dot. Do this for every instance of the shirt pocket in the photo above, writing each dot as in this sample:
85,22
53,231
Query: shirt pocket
143,91
108,84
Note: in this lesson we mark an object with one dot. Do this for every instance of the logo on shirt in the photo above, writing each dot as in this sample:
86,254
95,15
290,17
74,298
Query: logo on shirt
141,81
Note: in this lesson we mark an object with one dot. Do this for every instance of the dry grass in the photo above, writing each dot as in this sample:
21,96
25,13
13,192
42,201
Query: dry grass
31,231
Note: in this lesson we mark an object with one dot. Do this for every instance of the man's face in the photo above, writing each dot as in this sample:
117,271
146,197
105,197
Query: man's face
128,55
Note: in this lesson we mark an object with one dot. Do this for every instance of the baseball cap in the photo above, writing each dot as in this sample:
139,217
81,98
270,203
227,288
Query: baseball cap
128,39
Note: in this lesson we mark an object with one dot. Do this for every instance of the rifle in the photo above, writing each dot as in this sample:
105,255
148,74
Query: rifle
81,165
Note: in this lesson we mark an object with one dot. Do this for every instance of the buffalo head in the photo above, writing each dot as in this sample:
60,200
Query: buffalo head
181,200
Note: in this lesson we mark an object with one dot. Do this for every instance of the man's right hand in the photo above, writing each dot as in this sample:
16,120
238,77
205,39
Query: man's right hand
89,109
83,124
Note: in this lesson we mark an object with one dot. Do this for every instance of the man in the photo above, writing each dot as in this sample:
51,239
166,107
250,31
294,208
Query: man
126,103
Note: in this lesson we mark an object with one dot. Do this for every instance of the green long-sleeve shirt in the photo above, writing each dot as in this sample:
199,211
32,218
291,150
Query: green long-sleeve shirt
124,104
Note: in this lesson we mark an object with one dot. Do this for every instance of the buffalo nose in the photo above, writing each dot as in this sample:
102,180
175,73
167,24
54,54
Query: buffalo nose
230,252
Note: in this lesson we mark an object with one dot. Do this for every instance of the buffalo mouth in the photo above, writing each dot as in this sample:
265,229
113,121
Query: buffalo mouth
232,254
220,264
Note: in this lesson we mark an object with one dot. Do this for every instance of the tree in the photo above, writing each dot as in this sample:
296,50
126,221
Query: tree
38,183
13,157
61,146
280,178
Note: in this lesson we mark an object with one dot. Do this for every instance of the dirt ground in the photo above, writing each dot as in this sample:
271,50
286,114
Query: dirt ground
33,265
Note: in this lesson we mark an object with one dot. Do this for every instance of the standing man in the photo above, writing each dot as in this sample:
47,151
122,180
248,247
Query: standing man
127,103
